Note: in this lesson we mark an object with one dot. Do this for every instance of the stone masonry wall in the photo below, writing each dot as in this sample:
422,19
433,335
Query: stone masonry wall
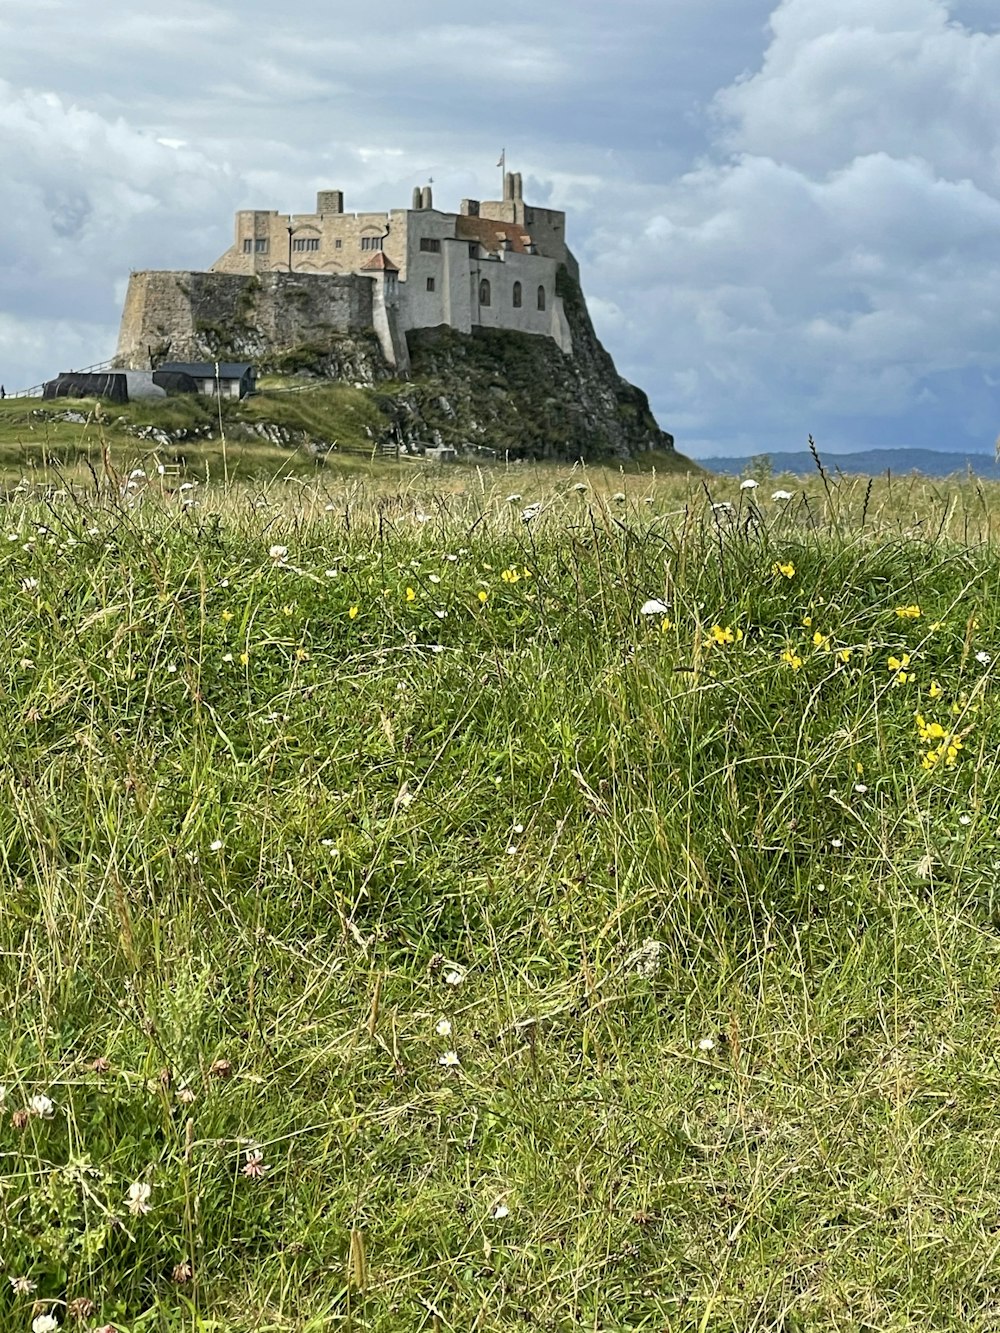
196,316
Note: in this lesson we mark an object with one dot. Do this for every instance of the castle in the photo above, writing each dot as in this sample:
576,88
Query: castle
492,265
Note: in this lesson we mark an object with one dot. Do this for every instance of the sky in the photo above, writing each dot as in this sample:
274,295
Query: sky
787,215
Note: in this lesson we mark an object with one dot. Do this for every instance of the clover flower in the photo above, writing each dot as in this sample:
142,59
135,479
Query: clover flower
254,1166
278,554
137,1198
41,1106
44,1323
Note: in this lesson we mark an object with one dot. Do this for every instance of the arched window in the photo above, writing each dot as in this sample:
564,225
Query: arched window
541,298
484,292
517,295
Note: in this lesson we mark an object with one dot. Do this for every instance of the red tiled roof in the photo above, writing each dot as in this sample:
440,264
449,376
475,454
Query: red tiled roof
380,262
489,233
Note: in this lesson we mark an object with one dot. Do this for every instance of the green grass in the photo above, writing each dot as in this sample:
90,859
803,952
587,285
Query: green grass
718,944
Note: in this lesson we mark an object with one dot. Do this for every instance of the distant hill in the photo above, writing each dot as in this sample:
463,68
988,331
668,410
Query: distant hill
870,462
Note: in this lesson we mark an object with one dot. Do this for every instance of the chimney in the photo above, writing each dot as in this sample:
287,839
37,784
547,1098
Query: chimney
330,201
470,208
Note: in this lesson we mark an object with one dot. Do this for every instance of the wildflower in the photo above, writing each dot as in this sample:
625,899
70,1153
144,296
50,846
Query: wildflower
244,659
216,845
511,575
781,495
434,578
619,497
302,654
836,842
182,1272
654,607
787,570
137,1199
706,1044
512,499
860,788
411,595
101,1065
81,1308
482,594
791,659
185,1095
532,511
912,612
449,1059
226,617
228,657
719,635
749,484
352,613
254,1165
965,820
330,573
41,1106
454,977
278,554
844,654
22,1286
983,658
44,1323
499,1210
443,1028
221,1069
821,641
934,690
721,507
648,959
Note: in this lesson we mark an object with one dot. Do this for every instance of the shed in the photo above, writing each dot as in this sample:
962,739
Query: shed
228,379
111,386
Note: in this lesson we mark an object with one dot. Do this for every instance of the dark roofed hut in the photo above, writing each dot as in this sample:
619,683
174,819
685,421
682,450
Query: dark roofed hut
112,387
228,379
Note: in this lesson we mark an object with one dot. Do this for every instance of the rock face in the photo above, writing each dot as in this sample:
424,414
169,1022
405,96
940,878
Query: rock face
523,397
516,394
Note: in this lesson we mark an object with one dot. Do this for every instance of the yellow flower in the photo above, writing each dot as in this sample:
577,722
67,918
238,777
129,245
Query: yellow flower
288,610
244,659
511,575
482,594
301,655
937,624
911,612
821,641
720,636
226,617
791,659
353,613
898,663
788,570
844,654
666,624
934,690
807,621
411,595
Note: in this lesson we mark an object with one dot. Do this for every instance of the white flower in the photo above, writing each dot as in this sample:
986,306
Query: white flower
781,495
172,667
706,1044
512,850
965,819
44,1323
443,1028
330,573
860,788
137,472
836,842
22,1286
278,553
254,1165
748,485
512,499
188,485
619,497
454,977
137,1199
983,658
216,845
41,1106
434,578
29,585
722,507
654,607
500,1210
532,511
647,960
449,1059
518,828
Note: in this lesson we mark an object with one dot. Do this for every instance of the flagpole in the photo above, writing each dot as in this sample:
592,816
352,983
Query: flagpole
502,164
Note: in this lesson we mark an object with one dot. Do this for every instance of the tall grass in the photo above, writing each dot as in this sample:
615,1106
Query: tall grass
403,929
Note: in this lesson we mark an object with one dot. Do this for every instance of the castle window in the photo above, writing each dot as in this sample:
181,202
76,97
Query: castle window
372,242
541,298
517,296
260,245
474,250
338,244
248,245
484,292
430,244
305,243
430,284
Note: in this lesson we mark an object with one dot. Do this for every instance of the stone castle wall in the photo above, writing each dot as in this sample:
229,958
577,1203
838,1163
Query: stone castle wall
190,316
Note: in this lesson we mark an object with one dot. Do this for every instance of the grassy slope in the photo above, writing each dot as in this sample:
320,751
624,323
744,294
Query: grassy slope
786,1119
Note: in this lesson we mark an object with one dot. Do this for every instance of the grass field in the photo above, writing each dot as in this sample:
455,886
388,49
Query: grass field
423,911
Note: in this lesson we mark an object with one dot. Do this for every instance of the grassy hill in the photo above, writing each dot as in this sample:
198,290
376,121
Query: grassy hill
420,915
